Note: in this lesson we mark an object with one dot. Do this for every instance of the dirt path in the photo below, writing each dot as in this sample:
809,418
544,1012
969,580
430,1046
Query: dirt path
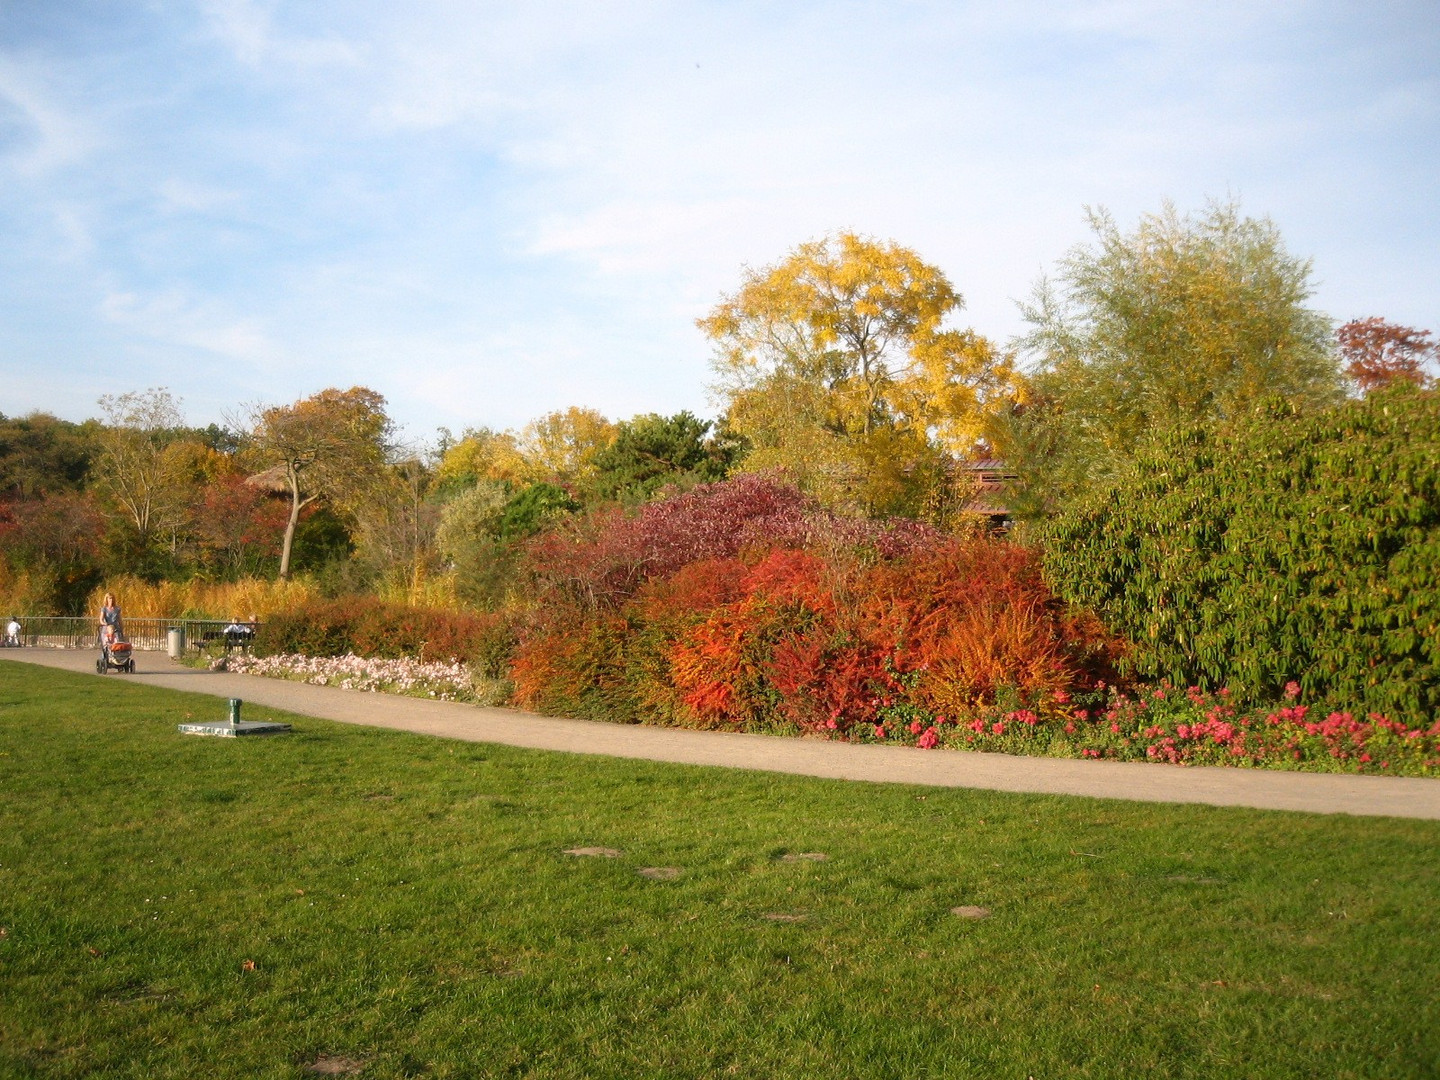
1312,792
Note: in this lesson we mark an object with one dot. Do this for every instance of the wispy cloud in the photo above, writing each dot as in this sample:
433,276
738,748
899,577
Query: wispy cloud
172,318
247,28
45,135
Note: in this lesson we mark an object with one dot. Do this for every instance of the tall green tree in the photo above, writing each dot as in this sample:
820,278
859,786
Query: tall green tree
652,451
43,455
1187,318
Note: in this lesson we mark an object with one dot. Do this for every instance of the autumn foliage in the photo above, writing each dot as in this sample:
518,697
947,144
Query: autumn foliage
743,606
1378,354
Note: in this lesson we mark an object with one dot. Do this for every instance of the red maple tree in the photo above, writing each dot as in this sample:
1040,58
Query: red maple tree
1377,353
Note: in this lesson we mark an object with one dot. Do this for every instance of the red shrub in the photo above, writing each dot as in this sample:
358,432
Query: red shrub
602,559
974,616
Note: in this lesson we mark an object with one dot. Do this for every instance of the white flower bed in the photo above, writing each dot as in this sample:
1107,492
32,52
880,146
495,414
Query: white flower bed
444,682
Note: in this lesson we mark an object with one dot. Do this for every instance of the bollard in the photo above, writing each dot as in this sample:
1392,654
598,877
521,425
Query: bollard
175,642
234,712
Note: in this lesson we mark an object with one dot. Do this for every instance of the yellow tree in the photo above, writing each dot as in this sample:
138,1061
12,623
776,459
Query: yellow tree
481,454
560,447
137,467
838,366
1189,318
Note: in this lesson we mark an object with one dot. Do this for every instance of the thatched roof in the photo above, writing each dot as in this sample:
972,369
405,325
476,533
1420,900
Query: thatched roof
274,480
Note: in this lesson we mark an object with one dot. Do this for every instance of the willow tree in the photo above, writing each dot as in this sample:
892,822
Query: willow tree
838,365
331,445
1189,318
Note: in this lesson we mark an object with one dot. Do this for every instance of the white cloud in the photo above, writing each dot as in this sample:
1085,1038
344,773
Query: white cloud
55,136
173,318
247,28
184,196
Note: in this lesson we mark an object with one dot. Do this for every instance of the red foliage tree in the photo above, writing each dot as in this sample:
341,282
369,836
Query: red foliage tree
1377,353
237,524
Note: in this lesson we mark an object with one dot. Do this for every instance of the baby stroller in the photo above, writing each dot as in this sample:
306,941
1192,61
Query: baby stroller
114,653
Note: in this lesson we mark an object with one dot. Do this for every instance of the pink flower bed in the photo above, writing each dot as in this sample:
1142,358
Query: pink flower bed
416,678
1179,727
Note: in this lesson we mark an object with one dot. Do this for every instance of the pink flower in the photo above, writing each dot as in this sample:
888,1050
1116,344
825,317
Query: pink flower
997,729
879,731
831,724
1070,728
1292,690
916,727
1115,728
1061,697
929,740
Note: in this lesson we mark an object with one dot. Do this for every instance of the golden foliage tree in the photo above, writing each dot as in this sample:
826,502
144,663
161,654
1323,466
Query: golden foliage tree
837,365
138,468
557,448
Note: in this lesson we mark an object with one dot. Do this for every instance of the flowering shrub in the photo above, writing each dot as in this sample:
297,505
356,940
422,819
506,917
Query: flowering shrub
740,606
442,681
1190,727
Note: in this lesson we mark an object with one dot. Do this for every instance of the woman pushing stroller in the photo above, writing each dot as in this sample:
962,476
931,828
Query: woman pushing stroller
114,649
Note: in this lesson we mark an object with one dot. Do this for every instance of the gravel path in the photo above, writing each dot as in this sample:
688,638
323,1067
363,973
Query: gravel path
1139,781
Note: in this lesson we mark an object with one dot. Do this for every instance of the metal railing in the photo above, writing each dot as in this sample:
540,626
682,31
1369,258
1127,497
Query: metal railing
145,634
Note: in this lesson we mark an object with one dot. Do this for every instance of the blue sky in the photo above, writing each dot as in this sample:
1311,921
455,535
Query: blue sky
489,211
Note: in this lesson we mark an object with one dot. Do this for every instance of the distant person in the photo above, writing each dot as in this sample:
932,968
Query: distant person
238,634
12,632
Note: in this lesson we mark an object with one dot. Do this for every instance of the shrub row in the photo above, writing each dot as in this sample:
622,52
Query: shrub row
794,639
368,627
1291,547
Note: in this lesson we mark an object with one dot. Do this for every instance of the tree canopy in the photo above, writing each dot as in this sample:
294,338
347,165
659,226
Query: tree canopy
652,451
837,364
1377,353
331,444
1186,318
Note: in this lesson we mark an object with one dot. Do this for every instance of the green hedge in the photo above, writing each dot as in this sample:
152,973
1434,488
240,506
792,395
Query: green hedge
369,627
1291,547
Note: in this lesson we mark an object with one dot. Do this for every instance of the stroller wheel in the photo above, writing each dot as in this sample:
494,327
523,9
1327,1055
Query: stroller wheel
100,666
130,666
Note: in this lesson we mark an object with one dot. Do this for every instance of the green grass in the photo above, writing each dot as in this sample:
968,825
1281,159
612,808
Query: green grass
407,906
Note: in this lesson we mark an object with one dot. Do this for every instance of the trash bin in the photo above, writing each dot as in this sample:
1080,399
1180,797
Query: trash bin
176,642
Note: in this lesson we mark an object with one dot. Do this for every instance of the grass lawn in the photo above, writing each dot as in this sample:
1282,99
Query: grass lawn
397,905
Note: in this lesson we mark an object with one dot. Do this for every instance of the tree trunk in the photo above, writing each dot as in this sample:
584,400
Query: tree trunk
290,526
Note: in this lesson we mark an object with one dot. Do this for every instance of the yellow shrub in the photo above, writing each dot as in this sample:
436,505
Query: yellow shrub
205,600
22,593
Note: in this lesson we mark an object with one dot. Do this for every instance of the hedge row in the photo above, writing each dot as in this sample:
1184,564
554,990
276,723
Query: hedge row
369,627
1288,548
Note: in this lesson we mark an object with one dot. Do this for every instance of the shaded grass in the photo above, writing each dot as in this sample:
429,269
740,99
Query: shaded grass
406,905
